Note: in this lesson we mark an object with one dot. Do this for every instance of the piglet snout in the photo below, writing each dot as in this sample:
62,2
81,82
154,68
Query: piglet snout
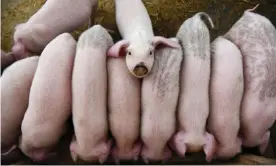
140,70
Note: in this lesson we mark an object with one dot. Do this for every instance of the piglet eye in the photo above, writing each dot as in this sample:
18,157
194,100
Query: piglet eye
129,53
150,52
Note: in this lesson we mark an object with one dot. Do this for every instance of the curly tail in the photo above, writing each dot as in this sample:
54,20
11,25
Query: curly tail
205,16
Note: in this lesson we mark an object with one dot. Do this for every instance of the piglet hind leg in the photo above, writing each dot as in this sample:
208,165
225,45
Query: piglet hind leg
167,154
178,143
210,146
147,155
42,154
73,150
101,151
264,142
133,154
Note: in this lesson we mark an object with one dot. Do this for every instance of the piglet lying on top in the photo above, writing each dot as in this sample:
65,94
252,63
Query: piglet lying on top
139,42
193,107
256,38
55,17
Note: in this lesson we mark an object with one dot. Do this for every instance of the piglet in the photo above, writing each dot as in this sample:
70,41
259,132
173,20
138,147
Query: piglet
16,82
50,99
124,97
89,88
193,107
53,18
6,60
160,91
226,91
139,42
255,36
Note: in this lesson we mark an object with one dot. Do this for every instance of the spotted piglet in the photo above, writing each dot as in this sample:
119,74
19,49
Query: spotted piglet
226,91
53,18
124,95
50,99
90,96
16,82
193,107
255,36
160,91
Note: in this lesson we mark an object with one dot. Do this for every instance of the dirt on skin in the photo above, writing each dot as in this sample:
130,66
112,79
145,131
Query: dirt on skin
166,15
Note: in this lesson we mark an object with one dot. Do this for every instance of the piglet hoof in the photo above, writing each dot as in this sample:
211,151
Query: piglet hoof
136,150
103,150
146,160
39,155
115,156
128,155
145,154
264,142
167,155
178,143
73,148
210,146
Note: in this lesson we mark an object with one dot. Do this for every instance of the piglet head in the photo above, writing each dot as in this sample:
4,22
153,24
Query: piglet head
29,40
140,54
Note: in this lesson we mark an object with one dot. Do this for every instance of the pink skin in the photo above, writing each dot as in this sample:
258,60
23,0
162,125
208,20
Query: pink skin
100,152
160,91
132,154
193,104
139,42
255,36
48,22
226,91
124,91
16,82
89,99
181,146
147,154
44,122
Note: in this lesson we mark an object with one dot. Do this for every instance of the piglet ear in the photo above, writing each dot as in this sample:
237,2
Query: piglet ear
168,42
118,48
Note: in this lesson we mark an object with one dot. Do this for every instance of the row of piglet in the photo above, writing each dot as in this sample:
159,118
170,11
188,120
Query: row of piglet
193,96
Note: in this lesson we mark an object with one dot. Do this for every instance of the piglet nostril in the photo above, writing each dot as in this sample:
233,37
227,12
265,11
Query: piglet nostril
140,70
